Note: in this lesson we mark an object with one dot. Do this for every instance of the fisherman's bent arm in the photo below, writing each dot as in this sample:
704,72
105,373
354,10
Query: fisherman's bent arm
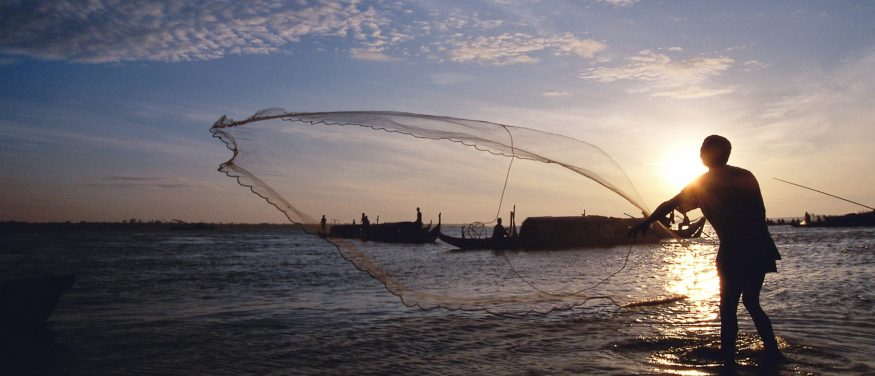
663,209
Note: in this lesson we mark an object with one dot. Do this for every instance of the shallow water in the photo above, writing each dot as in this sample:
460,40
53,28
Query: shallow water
280,302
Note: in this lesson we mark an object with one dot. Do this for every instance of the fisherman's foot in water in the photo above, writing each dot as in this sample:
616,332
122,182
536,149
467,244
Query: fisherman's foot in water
772,355
729,364
729,367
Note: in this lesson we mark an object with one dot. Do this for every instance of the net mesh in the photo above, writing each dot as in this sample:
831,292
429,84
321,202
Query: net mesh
381,167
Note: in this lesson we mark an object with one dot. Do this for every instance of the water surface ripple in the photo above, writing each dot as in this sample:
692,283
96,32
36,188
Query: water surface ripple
272,302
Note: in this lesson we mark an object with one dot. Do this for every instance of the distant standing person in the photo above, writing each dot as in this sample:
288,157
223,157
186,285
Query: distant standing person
418,216
499,232
731,201
323,222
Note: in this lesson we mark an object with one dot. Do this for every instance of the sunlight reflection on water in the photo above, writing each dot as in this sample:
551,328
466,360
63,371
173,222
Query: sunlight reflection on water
692,273
274,302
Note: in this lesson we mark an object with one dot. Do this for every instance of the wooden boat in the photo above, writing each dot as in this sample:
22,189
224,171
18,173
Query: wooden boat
482,243
694,230
391,232
563,232
31,300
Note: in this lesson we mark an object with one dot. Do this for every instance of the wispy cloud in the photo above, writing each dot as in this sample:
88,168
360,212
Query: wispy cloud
752,65
372,54
102,31
662,76
554,93
821,110
618,3
170,182
520,48
107,31
84,138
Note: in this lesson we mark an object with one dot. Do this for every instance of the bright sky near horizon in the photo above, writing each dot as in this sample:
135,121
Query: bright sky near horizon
105,105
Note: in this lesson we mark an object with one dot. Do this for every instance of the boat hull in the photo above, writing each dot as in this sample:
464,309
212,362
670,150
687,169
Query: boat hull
393,232
564,232
31,300
481,243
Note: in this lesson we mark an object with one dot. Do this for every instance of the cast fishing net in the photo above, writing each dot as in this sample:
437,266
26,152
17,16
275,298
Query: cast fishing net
385,165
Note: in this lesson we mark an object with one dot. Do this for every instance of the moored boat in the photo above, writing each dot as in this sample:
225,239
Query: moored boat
865,219
391,232
693,230
563,232
481,243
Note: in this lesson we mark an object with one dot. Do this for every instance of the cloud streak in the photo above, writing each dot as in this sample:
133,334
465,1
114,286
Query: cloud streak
618,3
821,110
660,75
106,31
172,31
520,48
556,93
171,182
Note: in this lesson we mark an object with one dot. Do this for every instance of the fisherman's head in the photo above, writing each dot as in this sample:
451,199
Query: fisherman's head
715,151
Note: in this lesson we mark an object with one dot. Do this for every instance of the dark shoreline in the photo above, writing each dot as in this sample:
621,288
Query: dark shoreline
145,226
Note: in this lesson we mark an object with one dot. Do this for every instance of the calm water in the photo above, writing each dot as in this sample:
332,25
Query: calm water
272,302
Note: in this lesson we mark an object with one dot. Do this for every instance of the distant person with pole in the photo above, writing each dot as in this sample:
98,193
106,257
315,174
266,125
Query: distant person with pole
731,201
499,232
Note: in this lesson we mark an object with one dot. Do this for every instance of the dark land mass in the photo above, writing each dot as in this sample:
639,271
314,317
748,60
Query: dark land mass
11,226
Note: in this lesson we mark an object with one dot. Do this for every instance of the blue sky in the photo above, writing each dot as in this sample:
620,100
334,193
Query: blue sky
105,105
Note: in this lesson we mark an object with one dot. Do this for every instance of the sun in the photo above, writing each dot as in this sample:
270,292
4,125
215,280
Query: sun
681,168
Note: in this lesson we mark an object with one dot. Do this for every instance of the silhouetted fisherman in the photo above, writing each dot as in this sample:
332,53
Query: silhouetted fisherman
731,201
685,222
323,222
499,232
418,217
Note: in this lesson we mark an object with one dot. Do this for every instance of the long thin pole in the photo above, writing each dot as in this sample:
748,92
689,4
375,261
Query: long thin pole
831,195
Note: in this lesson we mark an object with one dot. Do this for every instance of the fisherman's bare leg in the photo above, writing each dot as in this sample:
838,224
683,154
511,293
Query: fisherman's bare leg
730,291
751,300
